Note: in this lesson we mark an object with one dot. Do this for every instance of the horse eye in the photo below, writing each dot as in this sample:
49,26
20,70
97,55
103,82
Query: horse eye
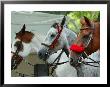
53,35
16,33
85,36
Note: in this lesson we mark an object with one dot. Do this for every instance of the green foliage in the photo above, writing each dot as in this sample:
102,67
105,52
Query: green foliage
76,15
73,22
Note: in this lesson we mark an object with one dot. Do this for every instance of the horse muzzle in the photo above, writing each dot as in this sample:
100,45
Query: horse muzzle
43,54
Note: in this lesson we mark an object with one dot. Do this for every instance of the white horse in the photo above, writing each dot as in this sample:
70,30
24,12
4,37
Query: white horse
63,42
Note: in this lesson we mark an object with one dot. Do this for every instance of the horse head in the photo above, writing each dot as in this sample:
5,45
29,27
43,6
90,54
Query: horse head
85,40
22,42
55,40
87,29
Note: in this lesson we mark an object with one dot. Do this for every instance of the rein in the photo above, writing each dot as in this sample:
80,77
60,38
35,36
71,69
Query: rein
16,60
54,65
89,63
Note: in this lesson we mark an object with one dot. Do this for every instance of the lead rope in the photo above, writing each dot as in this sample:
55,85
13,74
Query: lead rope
14,61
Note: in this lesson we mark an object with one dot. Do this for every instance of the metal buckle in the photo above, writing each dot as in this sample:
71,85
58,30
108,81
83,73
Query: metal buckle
80,60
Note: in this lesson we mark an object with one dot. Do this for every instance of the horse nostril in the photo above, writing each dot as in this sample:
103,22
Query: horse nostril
46,54
43,54
39,54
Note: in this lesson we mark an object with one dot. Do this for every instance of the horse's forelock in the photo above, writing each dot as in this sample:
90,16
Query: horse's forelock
54,25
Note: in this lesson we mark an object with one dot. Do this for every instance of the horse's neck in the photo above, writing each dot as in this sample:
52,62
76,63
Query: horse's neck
63,57
71,36
36,43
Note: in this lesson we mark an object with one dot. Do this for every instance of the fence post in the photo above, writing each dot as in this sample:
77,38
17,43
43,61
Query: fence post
41,70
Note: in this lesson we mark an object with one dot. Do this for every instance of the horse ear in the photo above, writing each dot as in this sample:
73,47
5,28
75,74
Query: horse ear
23,28
87,21
63,21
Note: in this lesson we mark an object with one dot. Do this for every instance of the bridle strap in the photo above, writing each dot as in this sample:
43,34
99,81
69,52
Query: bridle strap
54,65
57,37
45,45
90,38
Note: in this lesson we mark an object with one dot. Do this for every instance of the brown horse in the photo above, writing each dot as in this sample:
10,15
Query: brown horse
87,41
90,44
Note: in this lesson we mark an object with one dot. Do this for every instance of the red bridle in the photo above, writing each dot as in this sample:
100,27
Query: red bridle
55,41
59,29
